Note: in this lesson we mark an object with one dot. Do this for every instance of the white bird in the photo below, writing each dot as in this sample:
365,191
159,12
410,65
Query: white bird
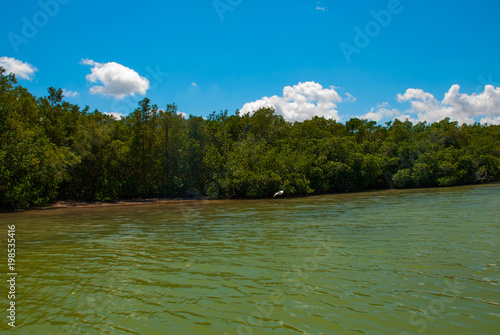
278,193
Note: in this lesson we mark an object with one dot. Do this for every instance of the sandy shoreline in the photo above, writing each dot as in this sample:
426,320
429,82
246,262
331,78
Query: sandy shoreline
131,202
151,201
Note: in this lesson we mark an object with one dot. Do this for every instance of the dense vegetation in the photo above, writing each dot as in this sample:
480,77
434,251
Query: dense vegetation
51,149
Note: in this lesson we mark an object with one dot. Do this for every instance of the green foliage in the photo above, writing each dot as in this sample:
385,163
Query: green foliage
402,178
50,150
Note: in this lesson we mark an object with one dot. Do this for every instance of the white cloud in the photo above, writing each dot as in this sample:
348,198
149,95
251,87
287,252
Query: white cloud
350,97
457,106
306,100
300,102
194,85
490,120
71,94
117,116
117,80
321,8
19,68
380,112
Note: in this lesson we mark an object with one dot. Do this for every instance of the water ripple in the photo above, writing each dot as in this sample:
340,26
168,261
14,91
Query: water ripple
368,263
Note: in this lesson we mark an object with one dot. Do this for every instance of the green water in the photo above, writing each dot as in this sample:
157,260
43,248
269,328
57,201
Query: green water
390,262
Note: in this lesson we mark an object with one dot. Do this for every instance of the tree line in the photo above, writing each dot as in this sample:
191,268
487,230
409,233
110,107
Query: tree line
54,150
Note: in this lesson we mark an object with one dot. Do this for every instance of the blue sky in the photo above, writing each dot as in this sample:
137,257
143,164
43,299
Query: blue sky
339,59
